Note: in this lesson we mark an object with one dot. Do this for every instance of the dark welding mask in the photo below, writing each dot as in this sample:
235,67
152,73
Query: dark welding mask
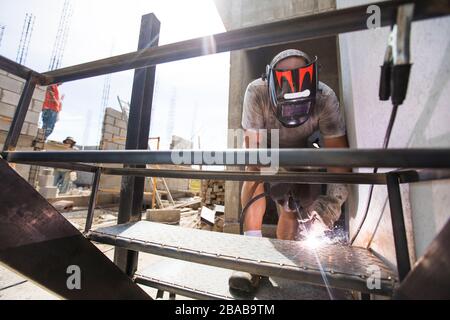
292,91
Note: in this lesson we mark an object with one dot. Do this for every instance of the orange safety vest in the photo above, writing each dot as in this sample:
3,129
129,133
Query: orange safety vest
52,100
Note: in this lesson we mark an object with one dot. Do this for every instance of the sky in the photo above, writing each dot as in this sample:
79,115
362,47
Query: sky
194,88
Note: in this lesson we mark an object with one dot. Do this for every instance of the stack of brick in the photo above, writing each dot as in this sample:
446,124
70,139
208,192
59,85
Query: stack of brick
114,130
213,192
10,90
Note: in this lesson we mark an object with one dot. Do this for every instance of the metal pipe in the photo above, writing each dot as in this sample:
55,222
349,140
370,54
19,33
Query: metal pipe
20,114
398,226
296,29
303,177
350,158
411,176
63,165
132,187
92,200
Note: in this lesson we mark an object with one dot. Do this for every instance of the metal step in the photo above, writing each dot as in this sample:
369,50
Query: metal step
200,281
337,266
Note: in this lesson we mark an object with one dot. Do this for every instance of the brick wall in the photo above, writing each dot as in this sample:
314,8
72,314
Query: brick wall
10,89
114,131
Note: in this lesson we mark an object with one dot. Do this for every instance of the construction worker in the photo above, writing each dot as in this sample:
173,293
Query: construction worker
51,108
65,178
289,97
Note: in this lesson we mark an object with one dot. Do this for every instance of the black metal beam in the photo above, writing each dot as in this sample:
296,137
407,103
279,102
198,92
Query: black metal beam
350,158
19,115
303,177
411,176
297,29
93,200
20,70
132,187
398,226
63,165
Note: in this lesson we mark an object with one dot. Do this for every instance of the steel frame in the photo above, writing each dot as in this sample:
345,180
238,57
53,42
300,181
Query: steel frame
296,29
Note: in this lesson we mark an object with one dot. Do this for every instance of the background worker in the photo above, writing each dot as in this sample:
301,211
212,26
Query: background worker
64,178
290,98
51,109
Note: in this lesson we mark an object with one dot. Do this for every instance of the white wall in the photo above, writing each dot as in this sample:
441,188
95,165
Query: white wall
423,121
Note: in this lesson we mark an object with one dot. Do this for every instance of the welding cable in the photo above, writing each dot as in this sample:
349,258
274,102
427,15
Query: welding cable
375,170
244,210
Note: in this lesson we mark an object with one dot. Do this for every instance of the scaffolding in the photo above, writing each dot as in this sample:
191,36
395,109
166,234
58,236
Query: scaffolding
416,164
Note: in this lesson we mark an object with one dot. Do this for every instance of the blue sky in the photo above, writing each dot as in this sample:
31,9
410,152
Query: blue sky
101,28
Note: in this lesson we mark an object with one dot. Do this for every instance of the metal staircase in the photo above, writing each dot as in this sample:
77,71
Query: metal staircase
36,241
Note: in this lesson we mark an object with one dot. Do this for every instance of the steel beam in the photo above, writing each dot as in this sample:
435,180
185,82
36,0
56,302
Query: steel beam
398,226
303,177
411,176
93,200
297,29
350,158
132,187
19,116
20,70
63,165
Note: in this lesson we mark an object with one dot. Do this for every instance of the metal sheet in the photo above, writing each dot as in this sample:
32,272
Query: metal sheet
39,243
430,277
343,266
381,158
205,282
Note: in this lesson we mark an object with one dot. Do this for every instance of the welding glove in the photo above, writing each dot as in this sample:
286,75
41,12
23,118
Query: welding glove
326,209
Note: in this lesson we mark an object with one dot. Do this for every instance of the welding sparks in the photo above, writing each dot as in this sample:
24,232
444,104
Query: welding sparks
313,241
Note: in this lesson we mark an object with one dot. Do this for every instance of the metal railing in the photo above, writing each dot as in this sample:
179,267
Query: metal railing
296,29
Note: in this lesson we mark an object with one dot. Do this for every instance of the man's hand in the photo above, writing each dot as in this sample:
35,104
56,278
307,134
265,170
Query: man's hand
326,210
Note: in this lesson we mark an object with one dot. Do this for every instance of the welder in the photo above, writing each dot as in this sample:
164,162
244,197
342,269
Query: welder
289,97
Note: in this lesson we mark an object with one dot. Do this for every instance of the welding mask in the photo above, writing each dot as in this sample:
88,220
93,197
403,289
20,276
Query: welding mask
292,91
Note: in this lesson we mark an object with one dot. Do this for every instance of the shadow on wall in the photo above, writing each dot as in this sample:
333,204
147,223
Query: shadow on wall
418,138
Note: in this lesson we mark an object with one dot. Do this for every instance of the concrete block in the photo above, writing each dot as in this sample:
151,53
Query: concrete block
10,84
7,110
2,72
113,113
163,215
48,192
12,76
109,146
32,117
4,124
10,97
32,130
47,171
123,133
121,123
325,5
46,181
39,94
24,128
112,129
107,137
109,120
36,105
